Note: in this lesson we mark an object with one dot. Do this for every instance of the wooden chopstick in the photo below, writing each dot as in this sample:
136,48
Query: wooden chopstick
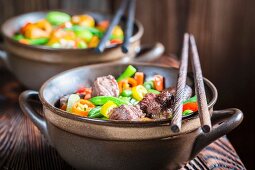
204,115
101,46
129,25
181,82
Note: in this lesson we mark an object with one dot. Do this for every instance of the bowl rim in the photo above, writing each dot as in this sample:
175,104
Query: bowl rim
65,114
134,38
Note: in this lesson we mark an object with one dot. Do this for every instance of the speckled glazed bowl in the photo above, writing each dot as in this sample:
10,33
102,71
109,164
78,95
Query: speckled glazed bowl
99,144
33,65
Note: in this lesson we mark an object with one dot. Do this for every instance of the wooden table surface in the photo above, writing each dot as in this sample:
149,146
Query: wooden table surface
23,147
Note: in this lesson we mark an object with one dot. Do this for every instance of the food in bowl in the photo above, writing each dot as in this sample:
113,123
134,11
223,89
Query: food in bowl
131,96
61,30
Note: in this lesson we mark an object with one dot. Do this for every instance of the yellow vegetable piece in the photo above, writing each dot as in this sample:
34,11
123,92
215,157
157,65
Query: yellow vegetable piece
93,42
83,20
107,107
117,31
139,92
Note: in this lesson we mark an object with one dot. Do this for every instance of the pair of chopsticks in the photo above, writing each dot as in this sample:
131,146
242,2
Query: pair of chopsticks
204,115
129,25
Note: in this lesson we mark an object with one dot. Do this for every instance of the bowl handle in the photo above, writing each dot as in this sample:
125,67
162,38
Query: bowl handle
223,122
29,109
3,57
148,53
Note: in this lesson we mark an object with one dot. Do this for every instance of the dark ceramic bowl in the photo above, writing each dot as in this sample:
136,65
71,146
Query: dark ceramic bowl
100,144
42,62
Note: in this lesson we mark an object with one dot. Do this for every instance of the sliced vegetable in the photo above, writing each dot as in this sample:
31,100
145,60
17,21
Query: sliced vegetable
126,84
73,98
85,35
37,41
57,18
139,92
127,99
190,106
101,100
190,100
139,77
130,71
187,112
82,107
95,113
153,91
18,37
126,93
148,85
107,107
83,20
159,82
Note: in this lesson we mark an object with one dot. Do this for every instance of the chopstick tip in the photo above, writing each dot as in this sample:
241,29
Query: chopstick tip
206,128
175,128
124,49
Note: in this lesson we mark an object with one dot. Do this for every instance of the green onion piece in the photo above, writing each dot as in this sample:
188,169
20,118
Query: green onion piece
130,71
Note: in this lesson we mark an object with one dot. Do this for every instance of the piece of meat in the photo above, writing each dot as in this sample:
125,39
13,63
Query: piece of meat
165,99
105,86
156,106
126,112
145,102
150,106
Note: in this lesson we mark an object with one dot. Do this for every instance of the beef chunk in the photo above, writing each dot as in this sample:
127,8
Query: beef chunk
166,99
156,106
126,112
145,102
150,106
105,86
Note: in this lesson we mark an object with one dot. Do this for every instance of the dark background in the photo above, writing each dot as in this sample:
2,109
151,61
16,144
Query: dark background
225,33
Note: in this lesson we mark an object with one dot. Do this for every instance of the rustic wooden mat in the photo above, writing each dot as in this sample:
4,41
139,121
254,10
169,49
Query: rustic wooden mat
23,147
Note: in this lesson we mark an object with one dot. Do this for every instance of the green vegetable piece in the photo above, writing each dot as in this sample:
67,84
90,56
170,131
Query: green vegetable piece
101,100
191,100
153,91
18,37
134,101
126,93
104,118
130,71
114,37
73,98
148,85
38,41
95,113
55,45
78,28
187,112
82,44
127,99
57,18
84,34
